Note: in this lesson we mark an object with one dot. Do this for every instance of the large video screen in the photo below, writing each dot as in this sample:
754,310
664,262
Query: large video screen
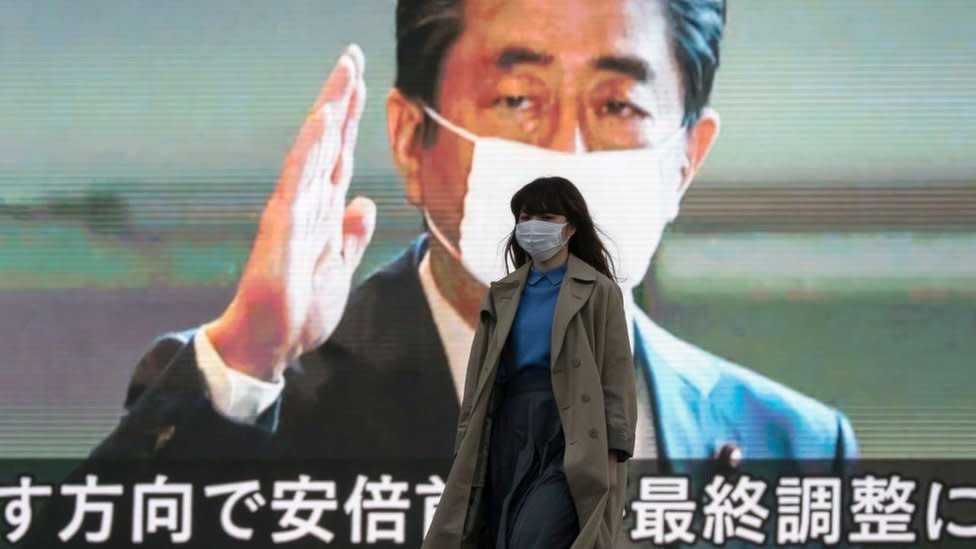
267,230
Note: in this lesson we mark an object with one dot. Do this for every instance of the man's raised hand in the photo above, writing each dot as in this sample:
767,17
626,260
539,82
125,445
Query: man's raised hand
309,243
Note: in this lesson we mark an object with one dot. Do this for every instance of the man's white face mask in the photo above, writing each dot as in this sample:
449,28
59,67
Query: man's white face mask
631,194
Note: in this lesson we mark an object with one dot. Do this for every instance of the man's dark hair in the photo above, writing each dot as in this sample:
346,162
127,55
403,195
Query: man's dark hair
426,29
696,31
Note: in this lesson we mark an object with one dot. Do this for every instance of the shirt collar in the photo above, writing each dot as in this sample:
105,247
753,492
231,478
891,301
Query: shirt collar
454,332
554,276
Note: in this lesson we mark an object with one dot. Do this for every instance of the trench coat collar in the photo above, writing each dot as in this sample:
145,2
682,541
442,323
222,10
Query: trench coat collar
575,268
511,285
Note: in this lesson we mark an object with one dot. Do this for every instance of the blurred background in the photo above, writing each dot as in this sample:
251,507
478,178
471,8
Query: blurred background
830,242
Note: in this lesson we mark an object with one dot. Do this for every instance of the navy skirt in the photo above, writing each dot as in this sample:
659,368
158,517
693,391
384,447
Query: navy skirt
529,503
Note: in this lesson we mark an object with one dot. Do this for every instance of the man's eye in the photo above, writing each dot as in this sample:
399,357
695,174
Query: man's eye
623,109
514,102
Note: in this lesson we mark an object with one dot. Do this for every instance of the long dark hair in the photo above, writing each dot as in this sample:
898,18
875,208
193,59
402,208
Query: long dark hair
558,195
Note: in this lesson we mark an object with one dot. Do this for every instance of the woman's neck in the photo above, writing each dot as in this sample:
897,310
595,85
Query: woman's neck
555,261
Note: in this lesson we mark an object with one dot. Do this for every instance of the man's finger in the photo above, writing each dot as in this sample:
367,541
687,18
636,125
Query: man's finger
357,56
358,224
295,161
343,75
329,146
318,143
342,173
333,113
332,99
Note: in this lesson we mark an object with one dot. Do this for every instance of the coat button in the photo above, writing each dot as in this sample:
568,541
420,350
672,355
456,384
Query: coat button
163,436
576,363
729,455
594,433
585,397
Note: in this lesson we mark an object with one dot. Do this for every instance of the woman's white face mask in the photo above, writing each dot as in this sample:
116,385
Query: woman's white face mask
540,239
631,195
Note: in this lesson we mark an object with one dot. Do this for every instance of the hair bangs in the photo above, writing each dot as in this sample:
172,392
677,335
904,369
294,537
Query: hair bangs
537,198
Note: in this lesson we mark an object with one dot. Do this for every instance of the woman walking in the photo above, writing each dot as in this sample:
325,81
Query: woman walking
549,407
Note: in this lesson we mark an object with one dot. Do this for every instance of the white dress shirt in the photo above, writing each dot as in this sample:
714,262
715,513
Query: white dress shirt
234,394
243,398
456,335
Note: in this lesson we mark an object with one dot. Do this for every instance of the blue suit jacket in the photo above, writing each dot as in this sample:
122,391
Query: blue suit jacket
381,388
703,402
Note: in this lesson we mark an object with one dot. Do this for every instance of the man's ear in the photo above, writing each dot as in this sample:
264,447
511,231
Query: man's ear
700,140
404,120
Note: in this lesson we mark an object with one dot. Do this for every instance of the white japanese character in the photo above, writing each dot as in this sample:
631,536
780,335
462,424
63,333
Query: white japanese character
808,510
308,524
882,510
105,509
433,492
735,512
386,505
664,511
18,512
934,522
168,507
237,490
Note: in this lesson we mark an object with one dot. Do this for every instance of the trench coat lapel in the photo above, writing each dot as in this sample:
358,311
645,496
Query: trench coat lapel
504,301
576,289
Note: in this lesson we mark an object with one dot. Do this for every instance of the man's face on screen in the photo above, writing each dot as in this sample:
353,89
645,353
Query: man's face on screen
567,75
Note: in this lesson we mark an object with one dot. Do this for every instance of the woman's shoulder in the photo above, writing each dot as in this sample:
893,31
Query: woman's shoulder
603,279
582,269
606,285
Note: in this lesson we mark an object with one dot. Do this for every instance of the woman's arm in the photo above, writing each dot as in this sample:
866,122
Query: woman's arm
617,375
478,347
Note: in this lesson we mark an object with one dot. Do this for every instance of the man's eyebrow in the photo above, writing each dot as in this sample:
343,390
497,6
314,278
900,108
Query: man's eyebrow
633,67
516,55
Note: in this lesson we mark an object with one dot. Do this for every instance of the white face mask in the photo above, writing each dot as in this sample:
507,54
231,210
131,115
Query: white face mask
631,195
540,239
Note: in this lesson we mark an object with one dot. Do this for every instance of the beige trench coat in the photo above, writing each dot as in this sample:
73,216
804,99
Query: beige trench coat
593,385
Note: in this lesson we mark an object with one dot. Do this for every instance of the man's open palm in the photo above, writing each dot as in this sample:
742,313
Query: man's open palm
309,243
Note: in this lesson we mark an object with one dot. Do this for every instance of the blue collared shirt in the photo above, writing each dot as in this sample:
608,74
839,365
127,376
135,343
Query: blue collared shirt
527,350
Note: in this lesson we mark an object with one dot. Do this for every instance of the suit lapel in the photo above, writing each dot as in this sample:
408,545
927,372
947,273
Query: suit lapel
678,401
374,352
